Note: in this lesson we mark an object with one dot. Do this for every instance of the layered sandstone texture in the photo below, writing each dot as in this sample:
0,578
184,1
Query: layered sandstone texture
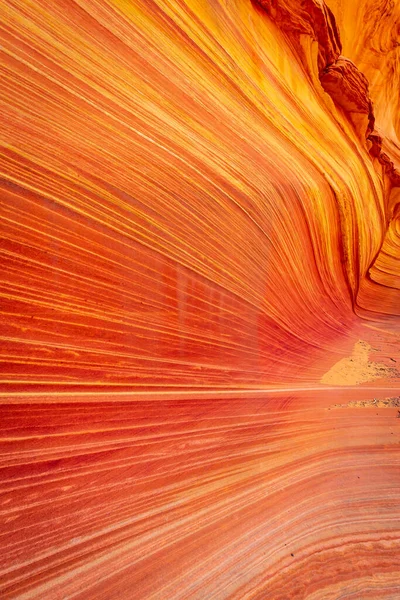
200,299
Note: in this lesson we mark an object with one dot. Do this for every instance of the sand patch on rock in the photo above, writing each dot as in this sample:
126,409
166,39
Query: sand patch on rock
357,368
392,402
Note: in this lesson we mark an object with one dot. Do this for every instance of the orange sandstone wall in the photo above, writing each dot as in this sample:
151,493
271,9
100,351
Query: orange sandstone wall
200,218
182,205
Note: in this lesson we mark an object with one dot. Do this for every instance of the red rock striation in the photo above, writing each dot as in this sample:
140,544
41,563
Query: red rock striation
199,289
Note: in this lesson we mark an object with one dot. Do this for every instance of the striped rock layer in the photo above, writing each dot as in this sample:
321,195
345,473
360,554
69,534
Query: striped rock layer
200,299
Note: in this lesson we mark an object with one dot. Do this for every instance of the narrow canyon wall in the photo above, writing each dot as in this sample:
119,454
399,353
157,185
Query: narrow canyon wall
200,299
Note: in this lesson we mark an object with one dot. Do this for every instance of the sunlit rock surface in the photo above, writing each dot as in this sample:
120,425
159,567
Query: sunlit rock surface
200,298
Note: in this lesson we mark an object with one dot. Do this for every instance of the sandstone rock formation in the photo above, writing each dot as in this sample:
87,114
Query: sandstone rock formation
200,218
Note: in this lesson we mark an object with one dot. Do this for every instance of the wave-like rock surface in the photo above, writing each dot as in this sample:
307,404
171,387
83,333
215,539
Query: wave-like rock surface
200,299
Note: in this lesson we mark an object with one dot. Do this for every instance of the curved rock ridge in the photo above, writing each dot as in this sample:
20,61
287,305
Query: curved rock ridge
199,297
339,76
311,17
371,39
349,89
